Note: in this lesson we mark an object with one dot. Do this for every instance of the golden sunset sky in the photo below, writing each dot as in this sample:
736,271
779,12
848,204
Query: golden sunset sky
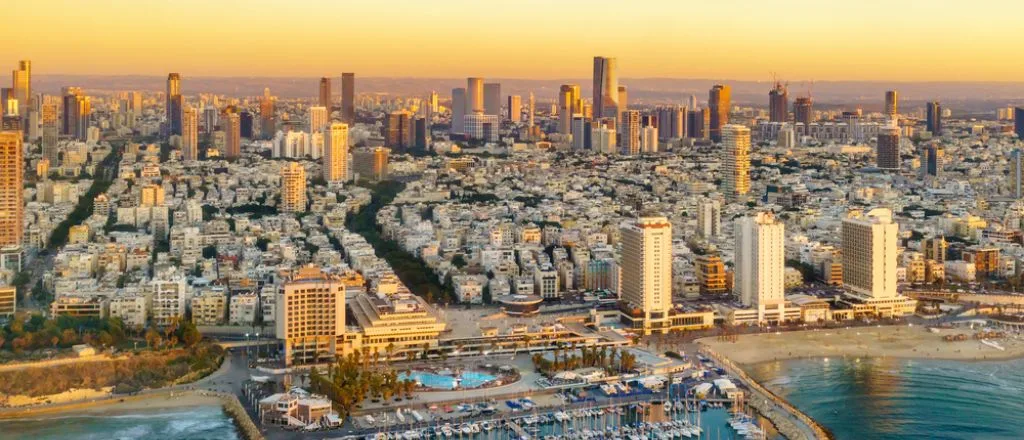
896,40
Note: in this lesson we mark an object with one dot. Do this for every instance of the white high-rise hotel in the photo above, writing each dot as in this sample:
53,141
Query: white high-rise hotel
647,271
760,266
869,264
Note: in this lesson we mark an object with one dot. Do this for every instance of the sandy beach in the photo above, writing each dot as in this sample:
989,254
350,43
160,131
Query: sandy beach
157,400
889,341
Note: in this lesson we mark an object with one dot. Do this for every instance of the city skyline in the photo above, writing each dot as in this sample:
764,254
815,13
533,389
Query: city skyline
128,41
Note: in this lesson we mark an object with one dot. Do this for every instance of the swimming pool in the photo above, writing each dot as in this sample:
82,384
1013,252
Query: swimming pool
468,379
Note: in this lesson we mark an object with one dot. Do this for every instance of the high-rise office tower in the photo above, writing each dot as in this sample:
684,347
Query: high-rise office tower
529,115
190,134
719,102
602,139
232,126
647,272
70,100
398,130
245,123
569,105
606,88
492,99
51,131
22,83
709,218
778,103
325,93
671,122
698,122
935,118
318,118
310,315
1018,122
736,163
1016,178
515,108
932,161
293,187
9,105
432,103
474,95
691,102
421,134
268,124
630,130
869,253
210,115
803,110
579,133
348,98
891,103
336,153
174,104
759,279
458,125
623,100
888,149
12,204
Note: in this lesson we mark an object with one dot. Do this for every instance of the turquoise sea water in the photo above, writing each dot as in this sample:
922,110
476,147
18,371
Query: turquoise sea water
904,399
198,423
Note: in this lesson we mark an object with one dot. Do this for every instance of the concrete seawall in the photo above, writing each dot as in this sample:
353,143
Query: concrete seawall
788,420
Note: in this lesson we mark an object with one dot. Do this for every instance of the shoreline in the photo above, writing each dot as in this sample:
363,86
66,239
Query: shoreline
893,342
118,404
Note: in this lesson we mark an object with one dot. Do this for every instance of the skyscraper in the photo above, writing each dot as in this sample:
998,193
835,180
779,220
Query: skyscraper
932,161
22,83
736,163
492,99
232,127
1016,178
336,153
12,204
474,95
630,130
672,122
759,280
719,102
190,134
891,103
74,103
458,111
606,88
778,103
293,187
888,149
569,105
647,273
51,131
1018,122
869,253
318,117
803,110
174,104
325,93
515,108
268,124
398,130
348,98
698,123
935,118
529,115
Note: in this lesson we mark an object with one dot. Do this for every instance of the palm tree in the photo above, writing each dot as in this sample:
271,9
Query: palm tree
390,349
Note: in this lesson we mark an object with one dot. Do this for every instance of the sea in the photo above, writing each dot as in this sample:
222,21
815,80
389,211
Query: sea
206,422
904,399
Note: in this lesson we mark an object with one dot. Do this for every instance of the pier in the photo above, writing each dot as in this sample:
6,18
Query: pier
788,420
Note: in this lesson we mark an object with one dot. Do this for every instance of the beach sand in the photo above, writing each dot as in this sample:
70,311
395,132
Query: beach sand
887,341
142,402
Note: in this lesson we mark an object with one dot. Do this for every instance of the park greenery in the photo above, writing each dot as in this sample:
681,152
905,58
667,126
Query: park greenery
413,272
23,336
359,376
